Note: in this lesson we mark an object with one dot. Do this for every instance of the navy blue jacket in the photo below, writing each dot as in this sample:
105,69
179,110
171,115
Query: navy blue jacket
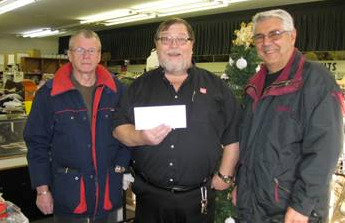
59,135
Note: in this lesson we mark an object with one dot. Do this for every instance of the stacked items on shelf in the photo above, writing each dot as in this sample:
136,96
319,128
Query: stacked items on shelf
10,103
15,95
9,212
337,201
36,67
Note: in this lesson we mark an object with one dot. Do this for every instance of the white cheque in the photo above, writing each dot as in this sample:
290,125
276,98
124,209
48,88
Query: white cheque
152,116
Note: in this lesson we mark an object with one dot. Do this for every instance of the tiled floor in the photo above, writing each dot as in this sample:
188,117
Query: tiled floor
44,220
130,216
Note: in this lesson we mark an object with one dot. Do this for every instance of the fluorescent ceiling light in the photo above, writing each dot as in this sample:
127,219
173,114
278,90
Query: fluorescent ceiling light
151,6
194,7
105,16
190,10
234,1
9,5
41,33
156,9
133,18
34,31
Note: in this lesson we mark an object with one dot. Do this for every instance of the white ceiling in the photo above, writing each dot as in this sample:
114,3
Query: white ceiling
66,14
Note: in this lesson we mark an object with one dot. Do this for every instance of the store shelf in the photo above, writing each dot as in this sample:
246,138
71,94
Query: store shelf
38,65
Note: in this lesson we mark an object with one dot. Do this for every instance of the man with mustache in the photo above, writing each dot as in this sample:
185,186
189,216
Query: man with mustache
175,169
291,135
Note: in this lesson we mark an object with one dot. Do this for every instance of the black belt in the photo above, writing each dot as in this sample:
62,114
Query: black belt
66,170
63,219
174,188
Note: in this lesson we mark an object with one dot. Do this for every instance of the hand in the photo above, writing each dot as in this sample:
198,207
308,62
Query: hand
234,196
44,202
156,135
218,184
127,180
293,216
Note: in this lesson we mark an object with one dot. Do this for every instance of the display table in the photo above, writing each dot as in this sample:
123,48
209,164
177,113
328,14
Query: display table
12,162
12,146
14,175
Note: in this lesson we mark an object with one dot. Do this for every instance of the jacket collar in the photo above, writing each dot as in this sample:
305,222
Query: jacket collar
62,80
288,81
259,78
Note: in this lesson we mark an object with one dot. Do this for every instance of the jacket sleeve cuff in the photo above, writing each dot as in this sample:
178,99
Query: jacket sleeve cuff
304,206
123,157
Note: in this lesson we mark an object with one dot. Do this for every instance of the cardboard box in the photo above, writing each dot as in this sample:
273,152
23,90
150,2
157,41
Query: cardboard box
19,57
34,53
11,59
2,62
2,59
14,58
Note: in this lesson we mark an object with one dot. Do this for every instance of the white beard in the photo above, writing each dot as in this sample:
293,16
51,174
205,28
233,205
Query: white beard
174,67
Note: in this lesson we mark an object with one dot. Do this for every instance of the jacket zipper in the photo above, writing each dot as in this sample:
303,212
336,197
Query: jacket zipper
277,186
251,86
279,84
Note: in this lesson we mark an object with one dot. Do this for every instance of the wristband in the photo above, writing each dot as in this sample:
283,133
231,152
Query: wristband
45,192
119,169
225,178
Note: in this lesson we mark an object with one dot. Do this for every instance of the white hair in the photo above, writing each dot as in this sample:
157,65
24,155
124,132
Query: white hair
88,34
283,15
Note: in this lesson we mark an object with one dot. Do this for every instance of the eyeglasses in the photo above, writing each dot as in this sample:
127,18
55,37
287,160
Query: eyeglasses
168,40
82,51
272,36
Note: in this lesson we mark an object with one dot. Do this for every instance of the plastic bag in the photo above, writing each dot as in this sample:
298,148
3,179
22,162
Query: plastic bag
12,213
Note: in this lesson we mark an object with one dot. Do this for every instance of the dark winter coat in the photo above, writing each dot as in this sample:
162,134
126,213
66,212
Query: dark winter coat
290,141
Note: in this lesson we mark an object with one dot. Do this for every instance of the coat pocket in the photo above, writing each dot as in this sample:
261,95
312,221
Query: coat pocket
69,193
280,189
113,190
274,198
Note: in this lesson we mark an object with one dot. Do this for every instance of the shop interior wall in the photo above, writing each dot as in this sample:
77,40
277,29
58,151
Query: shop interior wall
319,24
10,45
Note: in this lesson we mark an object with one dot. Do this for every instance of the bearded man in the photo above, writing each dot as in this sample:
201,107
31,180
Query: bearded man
175,168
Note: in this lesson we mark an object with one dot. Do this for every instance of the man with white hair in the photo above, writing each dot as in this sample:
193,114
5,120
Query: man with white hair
74,162
291,134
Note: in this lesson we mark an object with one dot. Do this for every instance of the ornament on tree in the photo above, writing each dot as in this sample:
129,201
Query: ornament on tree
224,76
241,63
257,68
229,220
231,62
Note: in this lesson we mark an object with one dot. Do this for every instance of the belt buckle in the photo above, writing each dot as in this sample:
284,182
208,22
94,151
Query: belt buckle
175,190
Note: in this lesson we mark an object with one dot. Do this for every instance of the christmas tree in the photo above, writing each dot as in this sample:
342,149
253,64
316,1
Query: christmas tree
243,63
243,60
